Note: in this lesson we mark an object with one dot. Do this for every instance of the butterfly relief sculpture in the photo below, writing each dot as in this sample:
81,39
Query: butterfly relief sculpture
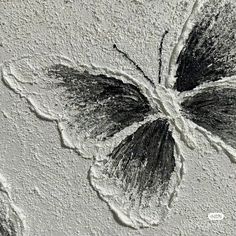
131,131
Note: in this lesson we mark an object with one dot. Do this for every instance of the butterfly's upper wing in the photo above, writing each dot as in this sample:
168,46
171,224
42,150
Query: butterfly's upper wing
105,104
206,69
208,53
89,105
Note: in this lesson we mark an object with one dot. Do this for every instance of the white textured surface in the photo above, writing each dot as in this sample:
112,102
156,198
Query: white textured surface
50,183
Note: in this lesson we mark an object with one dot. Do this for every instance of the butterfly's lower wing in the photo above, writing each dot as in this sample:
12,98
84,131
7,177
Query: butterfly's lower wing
214,109
89,106
139,178
206,50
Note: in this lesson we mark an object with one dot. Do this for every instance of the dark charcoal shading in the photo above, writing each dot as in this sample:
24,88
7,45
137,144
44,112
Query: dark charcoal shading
160,55
215,110
144,161
7,228
135,64
210,50
103,105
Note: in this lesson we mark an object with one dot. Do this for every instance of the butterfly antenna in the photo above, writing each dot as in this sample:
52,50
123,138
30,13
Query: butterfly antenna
134,63
160,55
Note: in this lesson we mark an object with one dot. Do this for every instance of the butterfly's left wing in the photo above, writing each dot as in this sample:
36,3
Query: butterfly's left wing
205,69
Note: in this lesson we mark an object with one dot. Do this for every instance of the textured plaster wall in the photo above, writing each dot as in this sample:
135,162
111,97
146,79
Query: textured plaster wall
48,181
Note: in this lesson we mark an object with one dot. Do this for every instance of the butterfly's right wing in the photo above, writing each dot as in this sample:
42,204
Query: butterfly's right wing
90,106
206,50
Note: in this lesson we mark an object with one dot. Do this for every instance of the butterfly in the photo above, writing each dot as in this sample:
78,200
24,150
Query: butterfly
132,130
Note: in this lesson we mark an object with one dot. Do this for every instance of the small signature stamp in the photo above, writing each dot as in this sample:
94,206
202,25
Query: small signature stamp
216,216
